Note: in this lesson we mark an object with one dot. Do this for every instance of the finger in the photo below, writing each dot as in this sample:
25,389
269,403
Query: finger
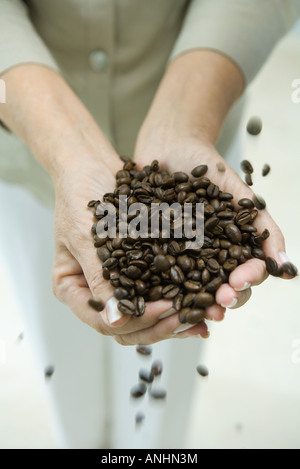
215,312
252,272
165,329
227,297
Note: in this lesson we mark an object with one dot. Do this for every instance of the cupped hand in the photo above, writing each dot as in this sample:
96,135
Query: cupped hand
179,154
77,271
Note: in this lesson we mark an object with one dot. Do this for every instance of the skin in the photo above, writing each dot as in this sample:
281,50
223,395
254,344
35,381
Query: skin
185,118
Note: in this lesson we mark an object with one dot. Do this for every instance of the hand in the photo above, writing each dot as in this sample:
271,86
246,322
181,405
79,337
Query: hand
183,154
77,272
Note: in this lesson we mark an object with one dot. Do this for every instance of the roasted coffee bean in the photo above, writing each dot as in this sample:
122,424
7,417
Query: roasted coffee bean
194,275
177,301
273,268
246,203
202,370
126,281
243,216
110,263
180,176
211,223
96,305
144,349
259,202
139,417
235,251
161,262
184,262
146,376
205,276
289,269
212,190
48,372
133,272
199,171
248,228
105,273
230,264
183,314
188,299
158,393
176,274
120,293
140,306
127,307
214,284
233,233
174,248
213,266
222,256
254,125
118,253
138,390
246,166
192,286
140,286
266,169
156,368
248,179
195,316
155,293
258,253
170,291
201,182
203,300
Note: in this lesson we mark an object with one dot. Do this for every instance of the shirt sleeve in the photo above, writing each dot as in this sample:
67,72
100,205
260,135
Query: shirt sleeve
246,31
19,41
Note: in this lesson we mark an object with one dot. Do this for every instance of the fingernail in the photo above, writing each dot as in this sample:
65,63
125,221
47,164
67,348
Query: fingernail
113,313
232,304
244,287
284,257
168,313
183,327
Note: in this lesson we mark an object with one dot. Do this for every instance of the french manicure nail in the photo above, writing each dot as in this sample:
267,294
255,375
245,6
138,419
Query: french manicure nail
113,312
244,287
168,313
232,304
183,327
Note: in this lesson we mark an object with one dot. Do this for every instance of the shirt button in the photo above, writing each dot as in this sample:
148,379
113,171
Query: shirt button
98,60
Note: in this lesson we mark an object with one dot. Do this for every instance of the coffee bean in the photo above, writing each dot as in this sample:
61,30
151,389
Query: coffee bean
138,390
146,376
144,349
140,305
266,169
156,368
290,269
213,266
221,167
258,253
203,300
246,203
139,417
195,316
180,176
199,171
192,286
246,167
127,307
183,314
158,393
105,273
176,274
170,291
235,251
233,233
214,284
254,125
259,202
273,268
212,190
155,293
110,263
202,370
48,372
96,305
230,264
120,293
248,179
161,262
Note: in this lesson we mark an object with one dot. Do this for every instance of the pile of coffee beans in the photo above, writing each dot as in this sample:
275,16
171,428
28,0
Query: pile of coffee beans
148,269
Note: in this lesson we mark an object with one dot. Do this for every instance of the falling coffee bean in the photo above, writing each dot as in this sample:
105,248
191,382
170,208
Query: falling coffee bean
254,125
138,390
202,370
145,350
96,305
266,169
